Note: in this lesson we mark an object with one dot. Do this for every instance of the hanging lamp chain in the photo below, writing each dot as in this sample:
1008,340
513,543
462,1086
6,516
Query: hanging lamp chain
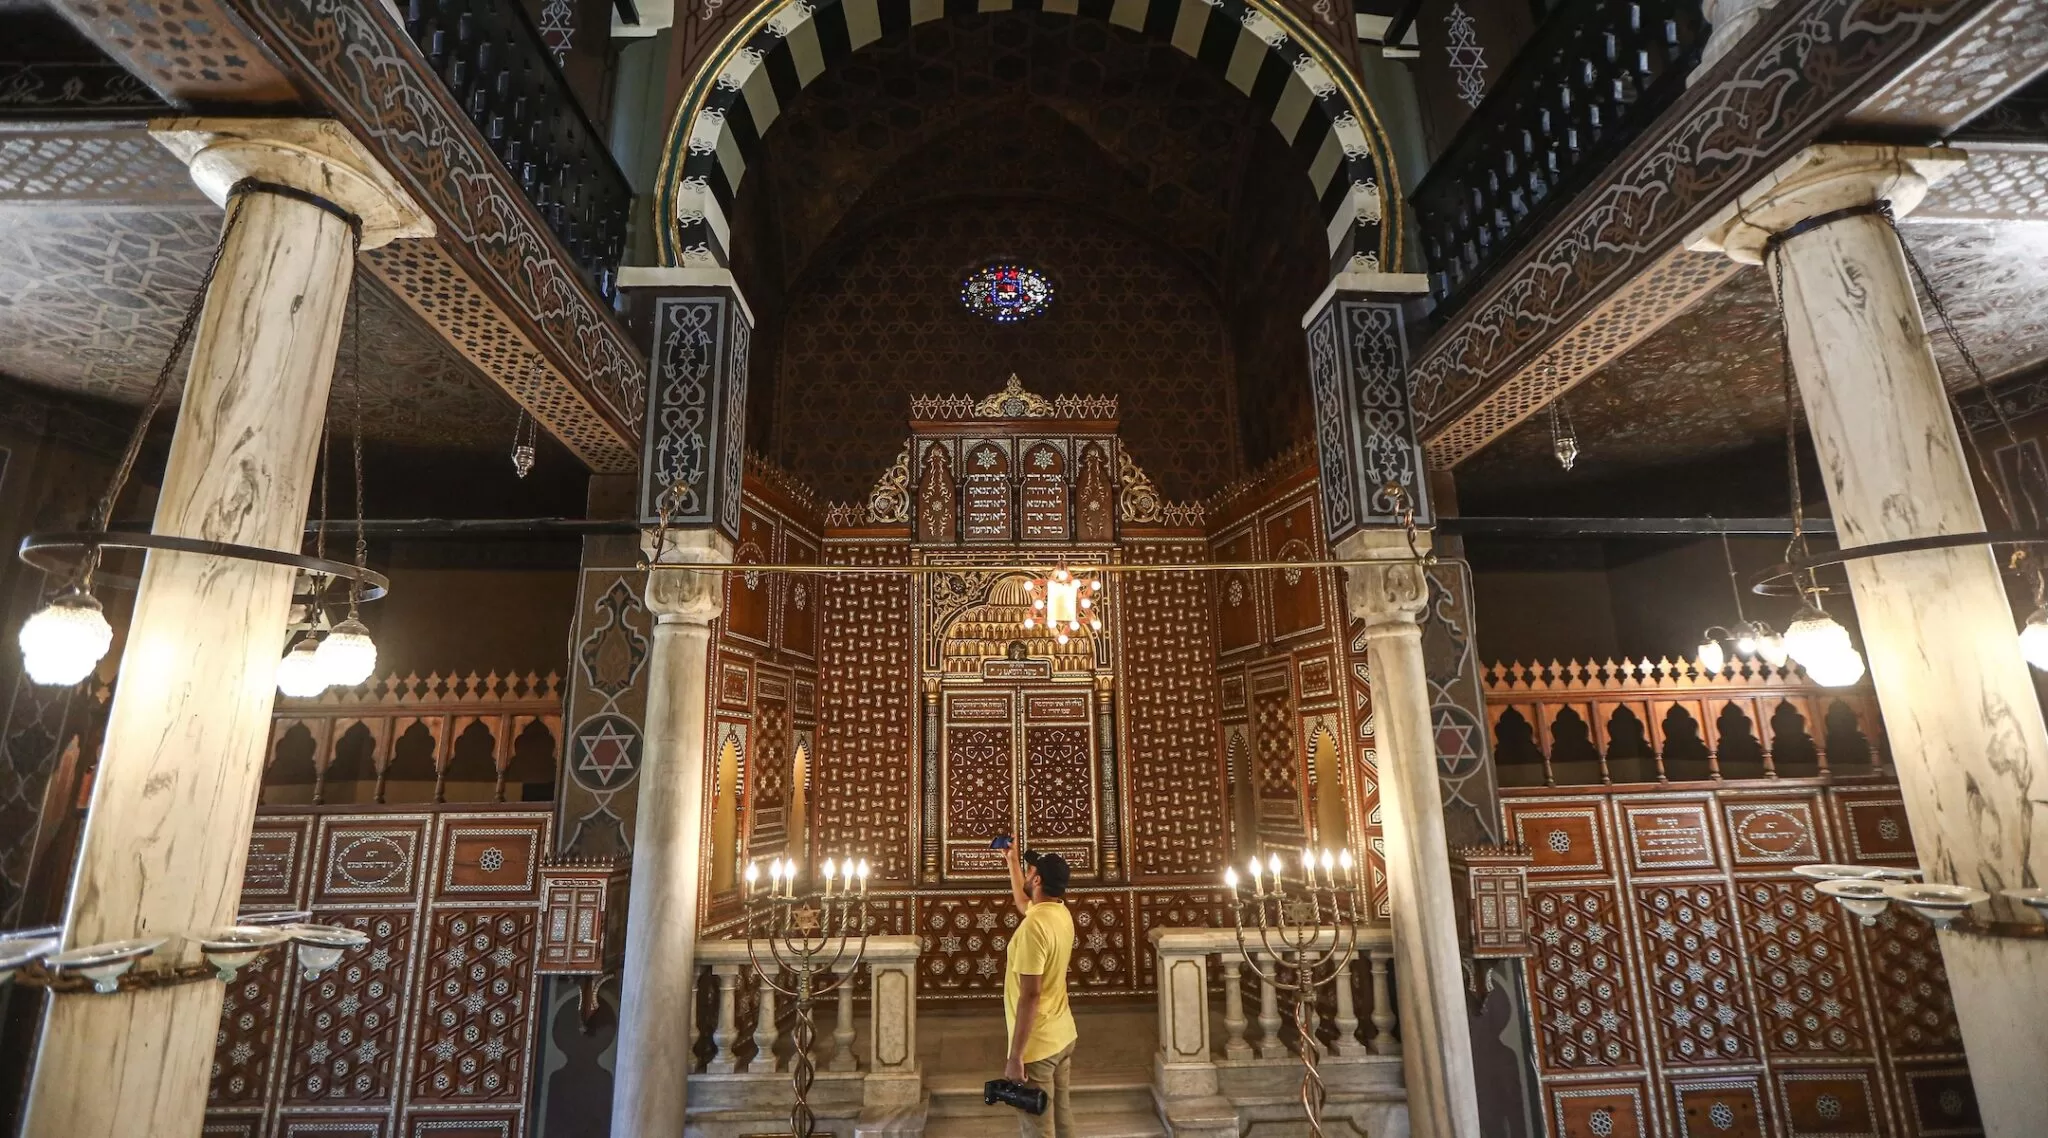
1796,549
355,384
103,513
2031,472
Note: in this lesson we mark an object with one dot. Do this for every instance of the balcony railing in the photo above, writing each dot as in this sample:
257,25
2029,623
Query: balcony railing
492,60
1592,78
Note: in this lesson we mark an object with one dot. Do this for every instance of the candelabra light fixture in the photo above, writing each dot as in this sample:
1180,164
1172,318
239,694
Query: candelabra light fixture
35,958
1748,637
807,933
65,640
1307,923
1063,601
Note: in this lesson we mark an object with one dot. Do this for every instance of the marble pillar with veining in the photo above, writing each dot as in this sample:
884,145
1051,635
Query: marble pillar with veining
174,799
1958,700
1436,1041
657,978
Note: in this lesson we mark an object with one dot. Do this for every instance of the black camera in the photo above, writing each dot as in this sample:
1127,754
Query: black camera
1023,1096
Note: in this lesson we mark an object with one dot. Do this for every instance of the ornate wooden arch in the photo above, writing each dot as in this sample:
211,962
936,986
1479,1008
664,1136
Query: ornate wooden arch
1319,107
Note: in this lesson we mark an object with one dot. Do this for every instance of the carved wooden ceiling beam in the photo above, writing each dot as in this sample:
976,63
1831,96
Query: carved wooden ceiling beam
495,282
1611,269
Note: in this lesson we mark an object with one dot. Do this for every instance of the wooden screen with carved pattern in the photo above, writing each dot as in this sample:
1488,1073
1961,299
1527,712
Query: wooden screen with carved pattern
426,1033
1018,760
1686,983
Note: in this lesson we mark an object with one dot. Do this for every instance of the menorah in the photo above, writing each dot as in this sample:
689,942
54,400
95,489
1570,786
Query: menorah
1292,917
807,935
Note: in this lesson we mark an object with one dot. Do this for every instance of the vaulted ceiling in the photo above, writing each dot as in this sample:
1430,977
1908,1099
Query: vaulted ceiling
1179,228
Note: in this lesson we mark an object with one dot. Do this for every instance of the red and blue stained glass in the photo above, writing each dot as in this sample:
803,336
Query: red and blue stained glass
1006,293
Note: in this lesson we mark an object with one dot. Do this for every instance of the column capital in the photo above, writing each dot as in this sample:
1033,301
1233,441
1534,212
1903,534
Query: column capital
318,156
1390,597
1818,180
680,589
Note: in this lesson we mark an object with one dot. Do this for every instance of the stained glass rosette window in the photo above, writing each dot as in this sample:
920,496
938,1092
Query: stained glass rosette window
1006,293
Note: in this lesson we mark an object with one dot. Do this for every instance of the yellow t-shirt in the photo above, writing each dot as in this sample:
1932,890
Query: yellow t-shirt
1041,946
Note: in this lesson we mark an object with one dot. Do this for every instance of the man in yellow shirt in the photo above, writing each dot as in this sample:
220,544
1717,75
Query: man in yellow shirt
1035,989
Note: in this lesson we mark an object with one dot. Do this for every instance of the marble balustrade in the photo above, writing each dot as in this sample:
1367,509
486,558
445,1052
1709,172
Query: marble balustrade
1208,1086
743,1039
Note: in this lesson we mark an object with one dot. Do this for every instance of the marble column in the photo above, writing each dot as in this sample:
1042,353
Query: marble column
1436,1041
1959,705
658,977
175,796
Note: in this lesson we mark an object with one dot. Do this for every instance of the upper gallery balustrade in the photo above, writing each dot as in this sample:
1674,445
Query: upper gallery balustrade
492,59
1594,75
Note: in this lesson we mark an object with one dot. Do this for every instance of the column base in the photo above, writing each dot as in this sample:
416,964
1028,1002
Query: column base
2000,987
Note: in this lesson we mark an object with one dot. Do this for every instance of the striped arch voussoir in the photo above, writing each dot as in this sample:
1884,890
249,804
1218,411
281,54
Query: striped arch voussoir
1316,106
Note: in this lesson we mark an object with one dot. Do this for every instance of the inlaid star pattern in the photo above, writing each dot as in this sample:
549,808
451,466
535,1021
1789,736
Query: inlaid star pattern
607,752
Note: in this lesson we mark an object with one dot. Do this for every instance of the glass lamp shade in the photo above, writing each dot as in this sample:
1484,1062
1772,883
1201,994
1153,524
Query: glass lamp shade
348,655
65,639
1712,657
1839,671
1771,647
1821,645
299,674
2034,639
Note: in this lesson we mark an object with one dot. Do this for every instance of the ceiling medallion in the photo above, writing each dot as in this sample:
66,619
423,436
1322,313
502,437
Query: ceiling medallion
1006,293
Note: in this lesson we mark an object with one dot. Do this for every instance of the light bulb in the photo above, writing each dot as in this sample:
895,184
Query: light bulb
1838,671
65,639
1273,864
831,870
1087,602
1062,638
299,674
775,870
1029,623
1059,575
2034,639
1712,657
1329,860
1771,647
1344,860
1037,604
863,869
347,656
1230,877
753,873
1095,623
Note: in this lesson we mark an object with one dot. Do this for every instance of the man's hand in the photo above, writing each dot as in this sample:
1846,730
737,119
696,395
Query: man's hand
1010,856
1014,1069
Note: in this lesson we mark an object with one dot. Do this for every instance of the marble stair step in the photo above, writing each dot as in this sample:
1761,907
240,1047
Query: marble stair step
1114,1124
955,1098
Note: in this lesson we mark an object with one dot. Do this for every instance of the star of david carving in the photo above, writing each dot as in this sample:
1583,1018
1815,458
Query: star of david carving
805,920
1453,739
606,752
